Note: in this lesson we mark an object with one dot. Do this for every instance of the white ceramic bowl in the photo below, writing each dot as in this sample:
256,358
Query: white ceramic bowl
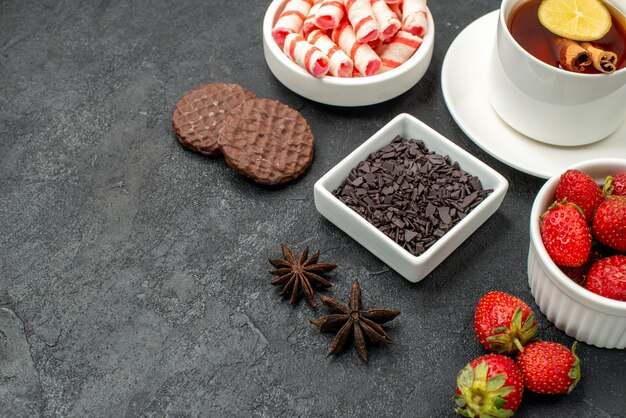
409,266
337,91
581,314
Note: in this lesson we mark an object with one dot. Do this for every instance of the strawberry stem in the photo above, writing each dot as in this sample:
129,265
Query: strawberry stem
552,206
512,338
556,204
574,372
481,396
607,190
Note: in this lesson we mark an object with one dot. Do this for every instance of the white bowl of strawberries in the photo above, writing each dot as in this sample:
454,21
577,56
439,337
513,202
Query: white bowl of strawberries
577,254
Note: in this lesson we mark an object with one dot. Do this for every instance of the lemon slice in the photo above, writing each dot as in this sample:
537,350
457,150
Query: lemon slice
578,20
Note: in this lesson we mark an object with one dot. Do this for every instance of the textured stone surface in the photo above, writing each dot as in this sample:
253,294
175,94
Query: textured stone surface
132,271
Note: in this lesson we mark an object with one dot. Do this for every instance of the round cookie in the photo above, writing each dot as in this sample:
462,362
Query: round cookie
267,141
198,115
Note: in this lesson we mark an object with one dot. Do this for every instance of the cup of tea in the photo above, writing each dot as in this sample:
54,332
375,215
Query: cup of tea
532,92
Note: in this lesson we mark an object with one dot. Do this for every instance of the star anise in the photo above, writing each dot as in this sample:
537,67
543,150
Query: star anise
351,322
300,274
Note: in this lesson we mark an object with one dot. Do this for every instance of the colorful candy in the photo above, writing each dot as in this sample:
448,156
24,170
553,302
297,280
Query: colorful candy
291,19
414,17
398,51
364,58
340,63
329,14
351,38
388,22
309,23
362,19
396,8
306,55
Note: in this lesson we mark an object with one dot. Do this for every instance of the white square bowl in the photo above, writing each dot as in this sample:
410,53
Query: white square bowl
409,266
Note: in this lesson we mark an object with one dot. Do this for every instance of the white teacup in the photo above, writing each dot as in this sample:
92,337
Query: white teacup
550,104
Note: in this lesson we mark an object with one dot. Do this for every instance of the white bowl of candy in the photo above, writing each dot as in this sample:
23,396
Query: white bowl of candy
363,54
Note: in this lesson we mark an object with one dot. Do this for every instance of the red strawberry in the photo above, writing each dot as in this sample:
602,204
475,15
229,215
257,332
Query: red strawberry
565,234
549,368
615,186
489,386
607,277
579,274
503,323
609,223
579,188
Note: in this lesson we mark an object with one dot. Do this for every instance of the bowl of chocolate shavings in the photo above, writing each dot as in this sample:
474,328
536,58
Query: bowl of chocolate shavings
410,196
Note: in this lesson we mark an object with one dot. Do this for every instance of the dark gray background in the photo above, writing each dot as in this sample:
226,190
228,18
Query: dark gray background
133,272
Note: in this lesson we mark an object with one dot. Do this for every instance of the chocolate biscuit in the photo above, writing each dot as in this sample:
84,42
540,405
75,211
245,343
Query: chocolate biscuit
198,116
267,141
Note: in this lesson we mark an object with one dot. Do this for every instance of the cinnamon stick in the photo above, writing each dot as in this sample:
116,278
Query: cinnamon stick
572,56
603,61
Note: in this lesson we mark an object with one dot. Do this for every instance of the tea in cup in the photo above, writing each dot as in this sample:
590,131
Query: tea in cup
549,88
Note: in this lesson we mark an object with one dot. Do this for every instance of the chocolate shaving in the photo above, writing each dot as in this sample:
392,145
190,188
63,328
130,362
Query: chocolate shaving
412,195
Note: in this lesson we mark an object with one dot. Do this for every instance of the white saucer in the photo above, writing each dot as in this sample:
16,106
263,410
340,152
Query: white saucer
463,80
